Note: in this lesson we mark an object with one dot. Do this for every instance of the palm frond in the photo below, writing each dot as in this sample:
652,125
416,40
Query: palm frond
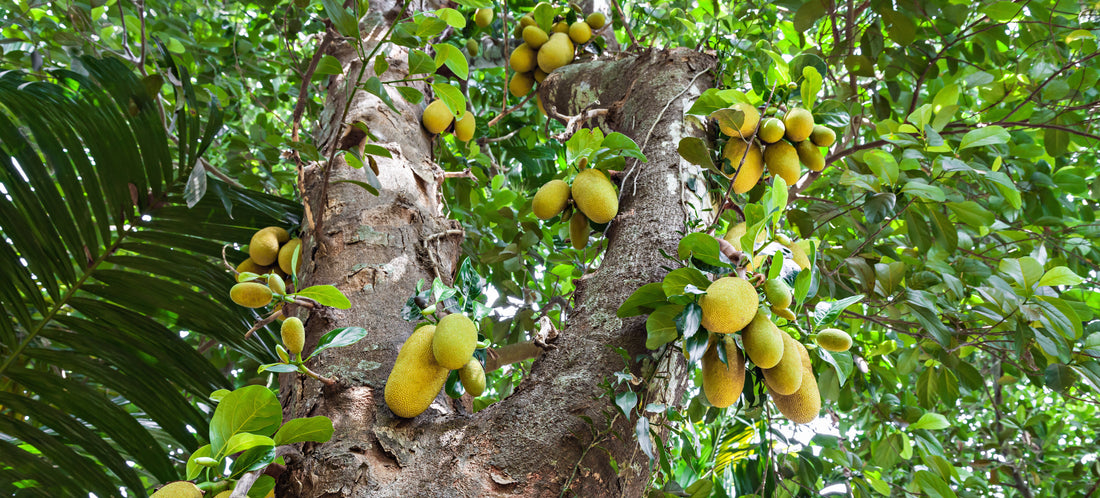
105,266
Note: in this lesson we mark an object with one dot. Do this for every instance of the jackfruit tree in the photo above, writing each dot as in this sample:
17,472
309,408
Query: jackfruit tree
320,248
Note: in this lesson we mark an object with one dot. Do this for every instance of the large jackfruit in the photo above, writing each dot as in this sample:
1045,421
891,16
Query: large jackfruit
555,53
286,255
437,117
454,342
799,123
250,294
522,59
723,382
781,158
763,342
550,199
834,340
748,124
595,196
729,305
785,377
263,249
803,406
416,378
744,175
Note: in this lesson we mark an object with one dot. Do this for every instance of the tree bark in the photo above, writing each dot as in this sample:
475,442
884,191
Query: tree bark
530,443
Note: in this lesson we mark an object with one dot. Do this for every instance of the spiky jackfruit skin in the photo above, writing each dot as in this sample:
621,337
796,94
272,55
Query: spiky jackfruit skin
723,382
416,378
763,342
834,340
293,334
178,489
523,58
799,123
786,376
472,376
822,136
595,196
263,249
286,255
437,117
782,160
578,230
465,127
729,305
779,294
803,406
771,131
250,294
550,199
454,342
744,175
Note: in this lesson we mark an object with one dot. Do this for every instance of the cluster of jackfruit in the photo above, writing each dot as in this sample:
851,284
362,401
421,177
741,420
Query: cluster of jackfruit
546,48
270,255
437,118
426,358
593,196
778,144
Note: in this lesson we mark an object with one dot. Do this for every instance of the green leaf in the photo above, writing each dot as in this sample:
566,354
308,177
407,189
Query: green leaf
252,409
931,421
626,401
245,440
1060,377
420,62
326,295
647,298
825,313
410,94
1059,275
972,213
315,429
695,151
452,17
641,431
661,325
344,21
451,96
900,27
262,487
933,485
676,280
989,135
255,458
193,469
277,368
453,57
919,188
811,84
328,65
338,338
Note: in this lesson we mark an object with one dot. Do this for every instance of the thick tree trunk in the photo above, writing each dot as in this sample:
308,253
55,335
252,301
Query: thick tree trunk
531,443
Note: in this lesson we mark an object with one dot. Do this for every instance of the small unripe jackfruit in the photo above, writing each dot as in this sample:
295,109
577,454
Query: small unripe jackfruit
437,117
746,174
723,382
178,489
472,47
416,378
550,199
779,294
521,84
596,20
472,376
250,294
822,136
465,126
782,160
293,334
263,249
522,59
276,284
483,17
535,37
784,313
799,124
809,155
580,32
771,131
286,256
834,340
578,230
803,406
454,342
595,196
786,376
729,305
763,342
251,267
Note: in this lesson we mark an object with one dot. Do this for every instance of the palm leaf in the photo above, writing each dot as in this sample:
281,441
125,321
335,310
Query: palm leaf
104,265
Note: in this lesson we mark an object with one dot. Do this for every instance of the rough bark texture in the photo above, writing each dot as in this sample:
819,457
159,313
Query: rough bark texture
529,443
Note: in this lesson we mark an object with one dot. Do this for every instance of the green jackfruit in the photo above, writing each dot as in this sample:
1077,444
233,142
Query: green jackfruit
763,342
250,294
595,196
771,131
729,305
596,20
276,284
454,342
784,313
483,17
286,255
744,175
782,160
751,117
465,127
810,155
550,199
293,334
803,406
834,340
251,267
723,382
779,294
416,378
578,230
786,376
799,124
522,59
472,376
178,489
263,249
555,53
822,136
535,37
580,32
521,84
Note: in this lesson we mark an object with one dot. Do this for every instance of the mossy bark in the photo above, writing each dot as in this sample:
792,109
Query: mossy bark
529,444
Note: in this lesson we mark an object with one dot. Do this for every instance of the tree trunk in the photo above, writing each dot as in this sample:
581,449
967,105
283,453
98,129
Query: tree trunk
532,442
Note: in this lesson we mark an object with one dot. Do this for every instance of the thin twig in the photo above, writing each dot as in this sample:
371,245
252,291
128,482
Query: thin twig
512,109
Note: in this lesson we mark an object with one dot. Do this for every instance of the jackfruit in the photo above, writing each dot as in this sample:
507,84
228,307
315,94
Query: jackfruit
735,232
416,378
465,126
744,177
264,246
785,377
782,160
578,230
763,342
810,155
798,254
748,124
834,340
560,27
437,117
803,406
550,199
250,294
822,136
784,313
224,494
799,124
555,53
596,20
472,376
729,305
580,32
454,342
520,84
540,75
723,382
522,59
276,284
251,267
595,196
293,334
779,294
472,47
534,36
483,17
178,489
771,131
286,256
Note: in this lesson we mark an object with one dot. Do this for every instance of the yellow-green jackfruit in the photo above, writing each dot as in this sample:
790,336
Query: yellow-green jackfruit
550,199
286,255
250,294
771,131
437,117
744,174
416,378
595,196
834,340
763,341
178,489
803,406
263,249
454,342
472,376
779,294
729,305
578,230
723,382
293,334
785,377
799,124
782,160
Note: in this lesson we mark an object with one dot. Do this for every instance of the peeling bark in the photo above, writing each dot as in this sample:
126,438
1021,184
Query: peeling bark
529,443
